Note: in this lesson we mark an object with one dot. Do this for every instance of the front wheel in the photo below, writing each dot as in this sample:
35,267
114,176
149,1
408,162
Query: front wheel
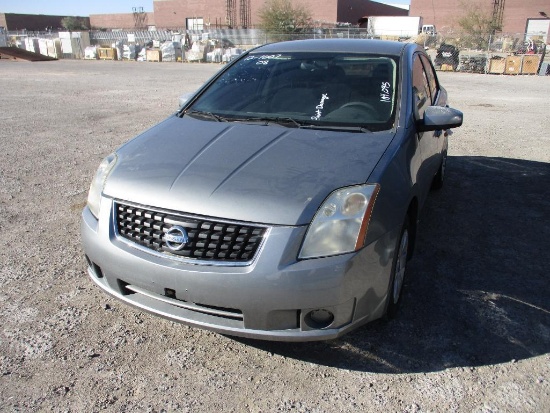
398,270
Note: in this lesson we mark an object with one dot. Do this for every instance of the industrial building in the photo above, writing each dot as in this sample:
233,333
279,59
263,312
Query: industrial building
34,22
513,16
239,14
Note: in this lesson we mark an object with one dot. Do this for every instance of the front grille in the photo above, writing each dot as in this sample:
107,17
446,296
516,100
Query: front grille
208,240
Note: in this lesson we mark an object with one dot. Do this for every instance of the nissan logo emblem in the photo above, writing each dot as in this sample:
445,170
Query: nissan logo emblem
176,238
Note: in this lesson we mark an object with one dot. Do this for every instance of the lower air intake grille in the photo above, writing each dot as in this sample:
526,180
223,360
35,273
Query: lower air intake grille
208,240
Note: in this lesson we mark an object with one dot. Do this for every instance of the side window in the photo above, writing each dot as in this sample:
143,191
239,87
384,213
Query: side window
421,89
432,78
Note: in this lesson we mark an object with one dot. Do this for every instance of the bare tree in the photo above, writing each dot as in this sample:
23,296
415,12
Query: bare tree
477,24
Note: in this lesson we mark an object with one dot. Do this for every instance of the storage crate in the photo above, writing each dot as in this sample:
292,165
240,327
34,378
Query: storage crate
497,65
513,65
530,64
106,53
154,55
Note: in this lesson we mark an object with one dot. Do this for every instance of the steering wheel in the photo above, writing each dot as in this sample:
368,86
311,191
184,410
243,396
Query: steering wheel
361,105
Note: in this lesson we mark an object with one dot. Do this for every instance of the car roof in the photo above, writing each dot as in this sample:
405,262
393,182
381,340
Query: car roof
337,45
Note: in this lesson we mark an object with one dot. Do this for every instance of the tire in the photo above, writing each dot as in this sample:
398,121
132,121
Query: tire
439,177
399,268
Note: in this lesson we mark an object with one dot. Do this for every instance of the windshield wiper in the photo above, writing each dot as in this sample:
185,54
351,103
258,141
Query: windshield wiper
361,129
217,118
305,125
280,120
277,120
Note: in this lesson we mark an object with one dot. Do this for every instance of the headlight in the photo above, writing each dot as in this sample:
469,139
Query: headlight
96,188
340,225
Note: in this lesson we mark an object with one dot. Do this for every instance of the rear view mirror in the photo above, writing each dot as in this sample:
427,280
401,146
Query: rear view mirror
439,117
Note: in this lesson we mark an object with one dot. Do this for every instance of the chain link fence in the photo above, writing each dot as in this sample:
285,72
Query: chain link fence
496,53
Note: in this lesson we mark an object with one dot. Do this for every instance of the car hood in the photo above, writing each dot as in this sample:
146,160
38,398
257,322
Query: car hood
252,173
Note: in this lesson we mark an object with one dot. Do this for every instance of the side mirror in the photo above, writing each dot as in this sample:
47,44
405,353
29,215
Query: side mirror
183,99
440,118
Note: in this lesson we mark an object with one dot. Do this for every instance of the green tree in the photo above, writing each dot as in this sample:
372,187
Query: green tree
281,17
477,25
72,24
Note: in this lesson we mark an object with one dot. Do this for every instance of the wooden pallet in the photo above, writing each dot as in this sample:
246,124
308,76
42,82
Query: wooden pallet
154,55
106,53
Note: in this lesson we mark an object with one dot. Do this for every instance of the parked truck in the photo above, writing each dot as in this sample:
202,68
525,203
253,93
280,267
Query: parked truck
398,26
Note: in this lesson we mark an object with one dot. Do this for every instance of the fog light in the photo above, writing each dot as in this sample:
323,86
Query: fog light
319,318
168,292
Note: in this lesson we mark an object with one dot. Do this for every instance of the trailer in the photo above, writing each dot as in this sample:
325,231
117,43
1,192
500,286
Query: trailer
398,26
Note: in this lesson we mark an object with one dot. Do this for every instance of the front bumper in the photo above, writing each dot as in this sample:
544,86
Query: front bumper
270,299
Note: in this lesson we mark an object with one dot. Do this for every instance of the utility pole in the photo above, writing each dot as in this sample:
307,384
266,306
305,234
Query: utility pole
245,14
139,17
498,15
231,15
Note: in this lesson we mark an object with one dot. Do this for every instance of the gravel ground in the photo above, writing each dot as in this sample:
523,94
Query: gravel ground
473,334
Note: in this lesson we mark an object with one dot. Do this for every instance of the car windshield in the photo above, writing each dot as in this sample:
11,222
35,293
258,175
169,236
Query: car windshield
325,90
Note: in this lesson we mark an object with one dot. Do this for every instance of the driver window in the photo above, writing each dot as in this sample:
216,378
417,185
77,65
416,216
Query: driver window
432,79
421,89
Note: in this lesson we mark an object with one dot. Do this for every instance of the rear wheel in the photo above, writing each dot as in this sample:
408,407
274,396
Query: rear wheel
398,271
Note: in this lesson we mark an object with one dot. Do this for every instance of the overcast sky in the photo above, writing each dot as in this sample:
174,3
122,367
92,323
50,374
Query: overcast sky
87,7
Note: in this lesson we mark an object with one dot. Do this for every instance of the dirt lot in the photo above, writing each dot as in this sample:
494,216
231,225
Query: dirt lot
473,336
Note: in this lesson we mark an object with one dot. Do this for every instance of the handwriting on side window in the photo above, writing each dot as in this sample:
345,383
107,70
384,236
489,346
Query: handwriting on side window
385,92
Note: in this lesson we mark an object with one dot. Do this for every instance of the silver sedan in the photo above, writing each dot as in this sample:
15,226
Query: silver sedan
281,201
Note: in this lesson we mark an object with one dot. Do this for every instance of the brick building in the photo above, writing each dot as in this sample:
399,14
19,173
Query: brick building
128,21
205,14
245,13
34,22
513,14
